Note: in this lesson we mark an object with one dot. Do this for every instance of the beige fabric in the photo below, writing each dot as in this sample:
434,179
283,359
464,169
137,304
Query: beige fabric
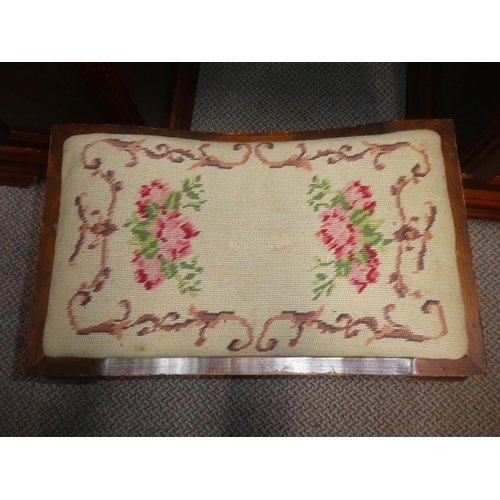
389,239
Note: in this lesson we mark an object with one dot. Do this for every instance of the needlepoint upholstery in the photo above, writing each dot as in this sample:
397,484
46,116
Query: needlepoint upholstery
170,247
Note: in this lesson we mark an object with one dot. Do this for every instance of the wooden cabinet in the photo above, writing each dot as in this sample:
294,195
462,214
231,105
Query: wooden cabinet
35,96
468,94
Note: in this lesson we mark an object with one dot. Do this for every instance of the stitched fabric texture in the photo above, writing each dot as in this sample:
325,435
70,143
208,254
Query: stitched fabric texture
334,247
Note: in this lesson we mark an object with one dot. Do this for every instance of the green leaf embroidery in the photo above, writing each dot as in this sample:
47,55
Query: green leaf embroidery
150,251
169,269
339,199
374,239
358,216
193,195
143,224
192,191
369,228
362,256
191,288
325,288
319,196
141,235
186,283
197,205
173,200
320,190
153,209
343,266
191,266
319,263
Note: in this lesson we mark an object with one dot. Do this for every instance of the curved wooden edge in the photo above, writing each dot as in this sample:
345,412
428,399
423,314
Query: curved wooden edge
476,352
463,367
46,250
358,130
473,364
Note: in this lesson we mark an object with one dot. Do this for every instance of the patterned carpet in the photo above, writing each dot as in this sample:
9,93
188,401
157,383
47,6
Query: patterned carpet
266,97
293,406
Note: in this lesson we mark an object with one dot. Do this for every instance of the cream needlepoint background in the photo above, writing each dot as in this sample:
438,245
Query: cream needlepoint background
334,247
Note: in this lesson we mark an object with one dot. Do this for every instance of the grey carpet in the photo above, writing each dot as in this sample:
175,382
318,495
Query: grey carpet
293,406
265,97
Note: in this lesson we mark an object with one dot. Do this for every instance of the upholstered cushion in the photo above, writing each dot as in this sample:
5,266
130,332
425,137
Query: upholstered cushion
172,247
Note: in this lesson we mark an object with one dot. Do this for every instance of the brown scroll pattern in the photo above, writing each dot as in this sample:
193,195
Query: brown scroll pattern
202,319
102,229
303,160
349,327
164,152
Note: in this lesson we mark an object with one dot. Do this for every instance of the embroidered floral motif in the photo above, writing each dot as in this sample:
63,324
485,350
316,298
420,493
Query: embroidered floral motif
341,237
174,234
148,271
349,232
164,238
164,235
359,196
360,275
154,193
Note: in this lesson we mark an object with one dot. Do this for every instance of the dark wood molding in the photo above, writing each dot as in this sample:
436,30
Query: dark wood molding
474,363
482,158
482,199
23,159
182,95
419,90
27,140
21,175
106,82
4,130
23,156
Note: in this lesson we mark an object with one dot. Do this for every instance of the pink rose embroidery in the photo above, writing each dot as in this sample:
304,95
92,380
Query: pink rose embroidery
164,236
358,196
361,275
154,193
174,234
349,231
337,233
148,271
